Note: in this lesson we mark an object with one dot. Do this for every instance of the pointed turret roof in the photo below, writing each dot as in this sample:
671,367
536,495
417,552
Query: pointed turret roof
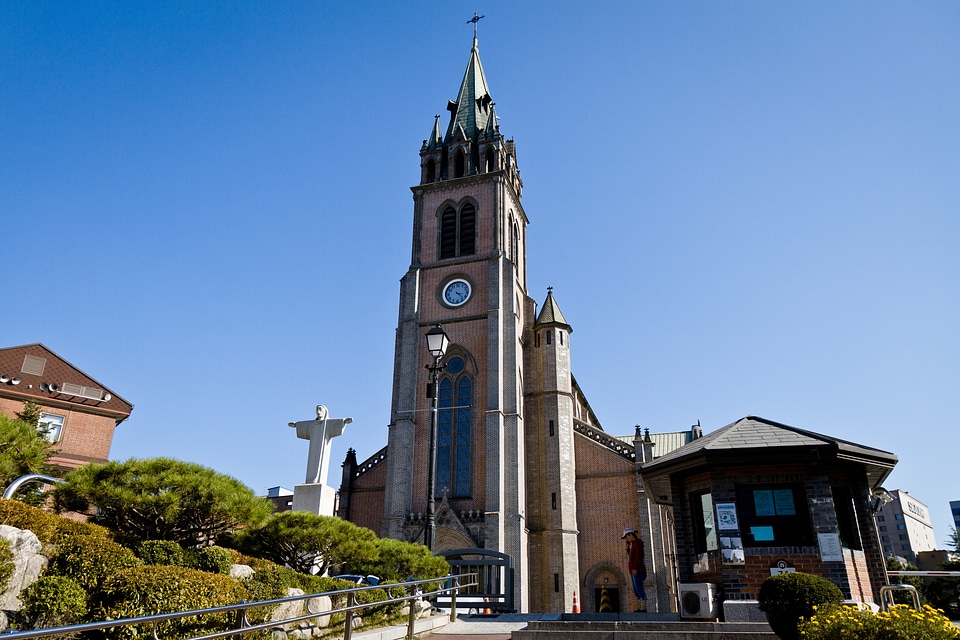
473,107
550,313
436,138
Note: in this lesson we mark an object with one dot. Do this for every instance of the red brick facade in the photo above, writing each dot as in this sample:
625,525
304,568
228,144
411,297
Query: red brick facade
90,412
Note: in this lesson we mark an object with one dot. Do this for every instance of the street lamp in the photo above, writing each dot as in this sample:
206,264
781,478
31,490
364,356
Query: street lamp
437,342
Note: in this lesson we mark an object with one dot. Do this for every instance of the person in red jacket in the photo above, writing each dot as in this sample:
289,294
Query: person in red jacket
638,570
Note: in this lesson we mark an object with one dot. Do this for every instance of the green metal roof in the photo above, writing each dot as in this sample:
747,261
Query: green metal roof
550,313
473,108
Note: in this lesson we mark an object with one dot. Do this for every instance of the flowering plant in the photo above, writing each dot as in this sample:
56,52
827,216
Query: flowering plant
902,622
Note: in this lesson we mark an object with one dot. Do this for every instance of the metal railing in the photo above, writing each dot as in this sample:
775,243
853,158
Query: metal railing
240,610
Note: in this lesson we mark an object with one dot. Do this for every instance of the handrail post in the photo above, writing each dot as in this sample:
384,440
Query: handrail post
240,620
411,590
348,619
455,586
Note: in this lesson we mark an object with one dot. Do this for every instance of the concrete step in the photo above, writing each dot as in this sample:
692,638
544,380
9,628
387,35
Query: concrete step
641,626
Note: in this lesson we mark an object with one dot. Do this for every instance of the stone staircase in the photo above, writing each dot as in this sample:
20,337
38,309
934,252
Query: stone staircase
640,626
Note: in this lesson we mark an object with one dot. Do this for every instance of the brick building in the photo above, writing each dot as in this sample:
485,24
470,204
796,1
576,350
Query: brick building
524,470
758,497
79,414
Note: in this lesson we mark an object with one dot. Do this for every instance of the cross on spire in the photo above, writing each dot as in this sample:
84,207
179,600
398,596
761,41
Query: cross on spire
475,19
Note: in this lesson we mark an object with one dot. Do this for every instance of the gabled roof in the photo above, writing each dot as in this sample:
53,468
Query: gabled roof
550,313
755,437
473,107
48,379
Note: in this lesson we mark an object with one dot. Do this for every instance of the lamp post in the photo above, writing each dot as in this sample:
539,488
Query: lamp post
437,342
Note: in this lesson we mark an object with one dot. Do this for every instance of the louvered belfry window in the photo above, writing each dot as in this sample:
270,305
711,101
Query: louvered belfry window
458,232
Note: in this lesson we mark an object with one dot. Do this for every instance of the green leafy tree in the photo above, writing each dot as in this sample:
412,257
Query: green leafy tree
902,597
30,413
395,561
308,543
161,499
23,450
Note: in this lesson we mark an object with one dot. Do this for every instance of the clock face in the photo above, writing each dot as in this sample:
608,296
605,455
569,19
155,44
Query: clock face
456,292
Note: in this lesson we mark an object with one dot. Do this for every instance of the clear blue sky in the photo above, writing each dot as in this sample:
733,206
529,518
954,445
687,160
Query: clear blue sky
743,208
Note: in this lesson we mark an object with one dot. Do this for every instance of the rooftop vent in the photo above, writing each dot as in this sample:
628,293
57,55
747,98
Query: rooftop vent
33,365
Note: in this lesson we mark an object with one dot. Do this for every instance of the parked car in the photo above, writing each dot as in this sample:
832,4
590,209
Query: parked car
361,580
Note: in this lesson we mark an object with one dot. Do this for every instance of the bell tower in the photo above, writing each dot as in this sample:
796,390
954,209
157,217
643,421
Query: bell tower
467,273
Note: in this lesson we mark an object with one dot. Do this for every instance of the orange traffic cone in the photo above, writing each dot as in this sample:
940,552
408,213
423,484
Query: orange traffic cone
486,608
576,603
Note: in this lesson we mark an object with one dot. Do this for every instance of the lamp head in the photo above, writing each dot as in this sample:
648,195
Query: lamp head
437,342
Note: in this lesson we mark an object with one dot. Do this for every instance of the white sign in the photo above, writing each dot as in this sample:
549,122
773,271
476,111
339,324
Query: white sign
781,567
830,549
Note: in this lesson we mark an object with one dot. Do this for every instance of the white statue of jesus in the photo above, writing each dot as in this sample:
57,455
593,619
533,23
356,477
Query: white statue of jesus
319,432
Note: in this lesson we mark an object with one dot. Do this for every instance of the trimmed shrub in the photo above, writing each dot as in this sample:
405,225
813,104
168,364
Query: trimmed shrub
52,601
788,597
900,623
89,560
153,589
6,564
211,559
49,528
163,552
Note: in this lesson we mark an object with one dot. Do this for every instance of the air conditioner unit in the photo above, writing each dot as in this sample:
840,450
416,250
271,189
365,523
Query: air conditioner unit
698,600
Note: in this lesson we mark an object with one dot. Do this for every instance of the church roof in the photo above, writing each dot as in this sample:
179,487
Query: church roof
472,110
550,313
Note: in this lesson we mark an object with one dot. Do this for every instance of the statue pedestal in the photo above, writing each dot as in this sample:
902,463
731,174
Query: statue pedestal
315,498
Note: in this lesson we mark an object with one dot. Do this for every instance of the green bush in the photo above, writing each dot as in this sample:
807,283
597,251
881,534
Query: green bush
52,601
90,559
49,528
788,597
211,559
901,623
6,564
153,589
163,552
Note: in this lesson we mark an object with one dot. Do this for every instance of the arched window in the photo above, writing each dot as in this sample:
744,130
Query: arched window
468,221
431,170
454,418
458,232
515,245
459,164
491,160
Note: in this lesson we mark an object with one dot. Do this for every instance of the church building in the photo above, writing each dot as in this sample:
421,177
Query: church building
518,447
529,490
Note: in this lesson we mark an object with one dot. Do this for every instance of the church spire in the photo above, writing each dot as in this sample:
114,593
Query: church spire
473,107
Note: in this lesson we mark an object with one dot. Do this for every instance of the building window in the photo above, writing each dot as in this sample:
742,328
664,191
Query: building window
846,518
879,518
551,427
883,527
903,536
901,527
431,170
459,164
774,515
704,523
51,426
454,417
898,516
885,538
491,159
458,232
549,336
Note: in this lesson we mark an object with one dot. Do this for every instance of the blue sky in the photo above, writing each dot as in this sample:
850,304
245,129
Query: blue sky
743,208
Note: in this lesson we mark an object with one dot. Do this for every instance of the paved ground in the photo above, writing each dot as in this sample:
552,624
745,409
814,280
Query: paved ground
480,628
